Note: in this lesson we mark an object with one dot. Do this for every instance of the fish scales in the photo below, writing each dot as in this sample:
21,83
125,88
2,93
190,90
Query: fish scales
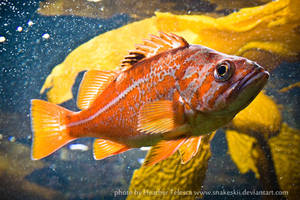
151,78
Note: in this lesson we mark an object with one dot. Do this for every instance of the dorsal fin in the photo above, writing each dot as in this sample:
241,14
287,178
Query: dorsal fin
153,46
92,85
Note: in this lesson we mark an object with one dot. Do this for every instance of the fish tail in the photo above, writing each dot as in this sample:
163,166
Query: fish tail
48,122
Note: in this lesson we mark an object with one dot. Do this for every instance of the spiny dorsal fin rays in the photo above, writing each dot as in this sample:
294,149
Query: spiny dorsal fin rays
162,43
153,46
173,40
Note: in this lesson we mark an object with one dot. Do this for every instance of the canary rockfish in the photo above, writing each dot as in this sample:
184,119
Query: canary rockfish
166,93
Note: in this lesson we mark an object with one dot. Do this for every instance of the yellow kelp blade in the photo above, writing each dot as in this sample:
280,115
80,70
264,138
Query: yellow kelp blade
264,27
294,85
261,116
285,153
257,136
240,148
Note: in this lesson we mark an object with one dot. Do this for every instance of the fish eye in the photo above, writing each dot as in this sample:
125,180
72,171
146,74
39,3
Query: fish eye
223,71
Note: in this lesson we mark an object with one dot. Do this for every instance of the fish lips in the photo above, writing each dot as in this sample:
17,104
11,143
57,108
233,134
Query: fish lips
241,93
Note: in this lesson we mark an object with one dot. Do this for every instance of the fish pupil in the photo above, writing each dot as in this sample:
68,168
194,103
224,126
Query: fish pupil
222,69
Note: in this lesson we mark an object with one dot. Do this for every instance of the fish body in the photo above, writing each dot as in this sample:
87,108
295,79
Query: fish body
167,94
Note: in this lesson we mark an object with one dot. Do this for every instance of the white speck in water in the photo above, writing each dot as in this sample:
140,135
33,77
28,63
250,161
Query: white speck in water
145,148
2,39
1,136
53,167
20,29
12,139
46,36
64,154
80,147
30,23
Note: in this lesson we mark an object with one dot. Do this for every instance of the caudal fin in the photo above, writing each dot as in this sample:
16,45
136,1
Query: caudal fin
48,123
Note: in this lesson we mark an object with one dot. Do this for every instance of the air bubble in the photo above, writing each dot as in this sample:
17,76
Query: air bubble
46,36
19,29
2,39
30,23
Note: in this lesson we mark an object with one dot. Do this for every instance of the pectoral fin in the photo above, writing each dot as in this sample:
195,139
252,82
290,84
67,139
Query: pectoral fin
156,117
189,148
163,150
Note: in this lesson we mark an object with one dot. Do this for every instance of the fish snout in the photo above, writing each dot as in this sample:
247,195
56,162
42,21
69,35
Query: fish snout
260,69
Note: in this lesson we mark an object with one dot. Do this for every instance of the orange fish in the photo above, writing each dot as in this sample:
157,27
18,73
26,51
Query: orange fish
167,94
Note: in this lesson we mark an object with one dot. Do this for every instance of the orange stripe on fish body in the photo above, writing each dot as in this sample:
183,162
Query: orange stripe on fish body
166,93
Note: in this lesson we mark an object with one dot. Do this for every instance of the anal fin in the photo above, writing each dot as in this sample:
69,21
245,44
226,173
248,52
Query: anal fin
189,148
92,85
163,150
105,148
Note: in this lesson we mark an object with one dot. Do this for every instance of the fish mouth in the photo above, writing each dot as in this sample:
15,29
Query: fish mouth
258,77
245,90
